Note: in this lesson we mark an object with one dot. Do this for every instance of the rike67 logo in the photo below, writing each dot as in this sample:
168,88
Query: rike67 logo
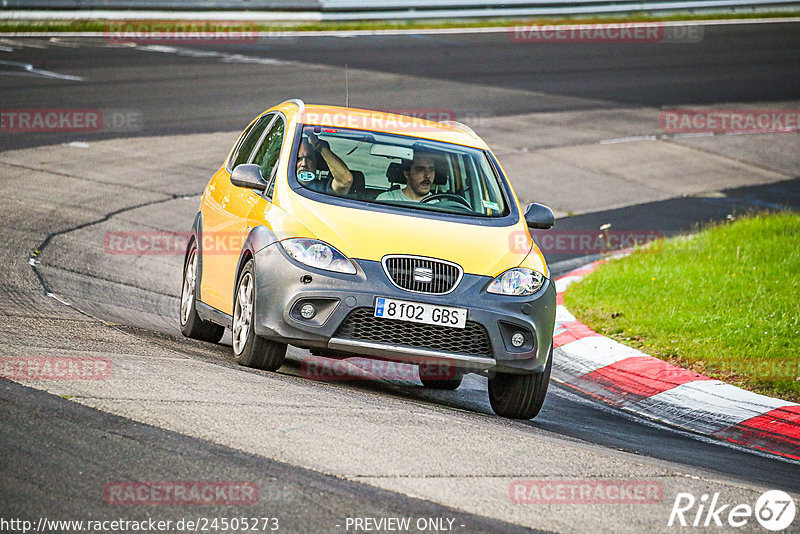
774,510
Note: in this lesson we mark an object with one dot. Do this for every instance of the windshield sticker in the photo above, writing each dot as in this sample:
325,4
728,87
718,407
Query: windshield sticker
490,205
306,176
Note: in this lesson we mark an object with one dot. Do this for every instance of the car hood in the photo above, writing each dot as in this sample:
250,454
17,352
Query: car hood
371,235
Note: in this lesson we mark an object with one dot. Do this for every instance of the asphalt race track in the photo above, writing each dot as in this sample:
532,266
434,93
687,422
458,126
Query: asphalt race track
575,125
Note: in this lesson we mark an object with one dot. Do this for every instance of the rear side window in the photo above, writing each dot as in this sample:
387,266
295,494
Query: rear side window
267,154
249,141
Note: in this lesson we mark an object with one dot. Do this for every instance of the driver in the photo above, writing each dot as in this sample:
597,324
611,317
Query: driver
419,179
310,150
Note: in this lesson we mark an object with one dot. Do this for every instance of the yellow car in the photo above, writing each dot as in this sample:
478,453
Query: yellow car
355,232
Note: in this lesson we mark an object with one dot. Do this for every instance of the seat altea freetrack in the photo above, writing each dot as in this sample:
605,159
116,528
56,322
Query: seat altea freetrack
354,232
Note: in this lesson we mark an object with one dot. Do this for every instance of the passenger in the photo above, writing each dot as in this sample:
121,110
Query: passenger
419,179
313,148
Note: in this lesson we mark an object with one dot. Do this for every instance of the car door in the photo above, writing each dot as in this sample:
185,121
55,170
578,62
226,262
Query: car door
243,200
219,234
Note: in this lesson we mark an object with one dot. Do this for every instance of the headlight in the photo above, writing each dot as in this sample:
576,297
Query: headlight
318,254
517,281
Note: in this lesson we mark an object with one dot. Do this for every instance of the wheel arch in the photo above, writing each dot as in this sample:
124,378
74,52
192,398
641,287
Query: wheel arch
259,238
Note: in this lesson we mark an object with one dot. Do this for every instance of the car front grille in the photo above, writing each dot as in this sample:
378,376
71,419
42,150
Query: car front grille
422,275
362,325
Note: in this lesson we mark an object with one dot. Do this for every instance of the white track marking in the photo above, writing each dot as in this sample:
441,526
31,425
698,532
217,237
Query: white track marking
707,405
591,353
223,56
16,68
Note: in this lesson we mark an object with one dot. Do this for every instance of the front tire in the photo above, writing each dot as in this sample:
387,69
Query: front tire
191,324
519,396
252,350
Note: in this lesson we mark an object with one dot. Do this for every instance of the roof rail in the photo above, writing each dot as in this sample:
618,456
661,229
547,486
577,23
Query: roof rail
463,127
297,102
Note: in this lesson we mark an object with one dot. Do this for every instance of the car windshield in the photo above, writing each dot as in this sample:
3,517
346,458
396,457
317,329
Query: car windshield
406,172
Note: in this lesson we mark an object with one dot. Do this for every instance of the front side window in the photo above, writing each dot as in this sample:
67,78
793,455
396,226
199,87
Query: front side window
249,141
268,152
400,171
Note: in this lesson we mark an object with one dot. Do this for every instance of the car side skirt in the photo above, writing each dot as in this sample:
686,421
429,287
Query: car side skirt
207,313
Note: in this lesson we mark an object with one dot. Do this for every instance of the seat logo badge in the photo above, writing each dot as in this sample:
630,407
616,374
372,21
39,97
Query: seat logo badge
423,274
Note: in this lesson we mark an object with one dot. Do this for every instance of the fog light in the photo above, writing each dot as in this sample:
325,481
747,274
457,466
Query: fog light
518,339
307,311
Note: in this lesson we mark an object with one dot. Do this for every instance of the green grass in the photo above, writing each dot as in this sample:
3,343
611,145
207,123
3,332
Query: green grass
724,302
57,26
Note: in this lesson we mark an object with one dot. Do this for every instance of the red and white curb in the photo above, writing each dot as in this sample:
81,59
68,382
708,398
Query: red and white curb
639,383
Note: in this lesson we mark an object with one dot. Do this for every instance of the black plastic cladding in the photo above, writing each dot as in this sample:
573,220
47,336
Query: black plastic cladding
362,325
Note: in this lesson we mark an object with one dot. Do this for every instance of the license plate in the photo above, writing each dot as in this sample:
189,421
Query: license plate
419,312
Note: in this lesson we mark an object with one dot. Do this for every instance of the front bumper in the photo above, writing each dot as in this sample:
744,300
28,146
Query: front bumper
344,321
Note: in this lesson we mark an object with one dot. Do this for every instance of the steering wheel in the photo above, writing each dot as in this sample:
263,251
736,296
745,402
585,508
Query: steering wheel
447,196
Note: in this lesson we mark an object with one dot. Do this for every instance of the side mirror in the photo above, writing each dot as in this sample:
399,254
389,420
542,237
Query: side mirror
248,175
540,217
